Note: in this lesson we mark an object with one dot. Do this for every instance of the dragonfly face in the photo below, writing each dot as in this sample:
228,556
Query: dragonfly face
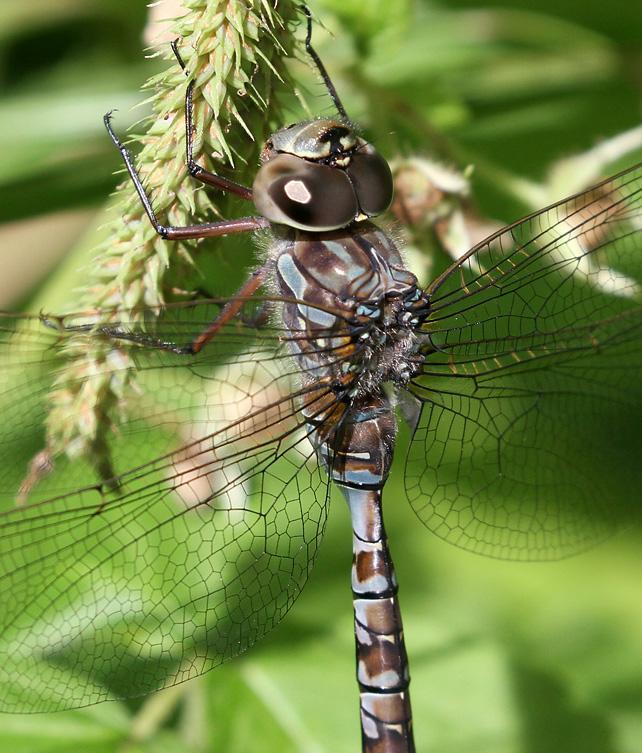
319,175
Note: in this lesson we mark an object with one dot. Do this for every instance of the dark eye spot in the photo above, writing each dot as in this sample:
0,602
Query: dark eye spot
315,196
372,181
295,192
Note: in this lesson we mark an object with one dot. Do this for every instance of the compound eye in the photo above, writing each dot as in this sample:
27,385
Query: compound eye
372,180
304,195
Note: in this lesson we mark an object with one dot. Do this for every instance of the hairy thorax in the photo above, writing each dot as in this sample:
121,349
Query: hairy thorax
359,329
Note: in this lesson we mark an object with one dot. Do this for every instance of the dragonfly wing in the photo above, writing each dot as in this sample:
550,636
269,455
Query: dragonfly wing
529,439
194,549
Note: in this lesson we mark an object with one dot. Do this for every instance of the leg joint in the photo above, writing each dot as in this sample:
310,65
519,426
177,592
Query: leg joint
194,169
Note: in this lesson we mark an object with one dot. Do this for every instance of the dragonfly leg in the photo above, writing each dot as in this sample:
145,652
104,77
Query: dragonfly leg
231,308
320,67
225,315
195,170
188,232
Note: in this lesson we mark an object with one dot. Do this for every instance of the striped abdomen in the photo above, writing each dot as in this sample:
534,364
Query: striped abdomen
382,663
362,454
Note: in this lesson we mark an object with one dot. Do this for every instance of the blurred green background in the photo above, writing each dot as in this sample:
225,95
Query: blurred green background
505,658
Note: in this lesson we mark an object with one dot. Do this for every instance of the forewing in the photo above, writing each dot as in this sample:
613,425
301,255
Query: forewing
528,444
194,549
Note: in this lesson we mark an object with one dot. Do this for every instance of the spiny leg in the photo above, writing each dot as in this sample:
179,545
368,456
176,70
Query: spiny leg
229,311
188,232
195,170
225,315
320,67
255,319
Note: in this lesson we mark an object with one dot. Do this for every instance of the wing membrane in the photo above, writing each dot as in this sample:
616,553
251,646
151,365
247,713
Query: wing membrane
196,545
529,439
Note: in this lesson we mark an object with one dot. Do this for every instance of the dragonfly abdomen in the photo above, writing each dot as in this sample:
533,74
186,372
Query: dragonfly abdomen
358,454
358,449
382,662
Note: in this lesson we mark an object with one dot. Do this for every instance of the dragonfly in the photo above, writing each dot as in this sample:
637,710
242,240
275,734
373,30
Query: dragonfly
192,531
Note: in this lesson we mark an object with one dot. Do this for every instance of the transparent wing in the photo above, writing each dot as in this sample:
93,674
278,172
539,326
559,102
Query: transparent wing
529,441
195,547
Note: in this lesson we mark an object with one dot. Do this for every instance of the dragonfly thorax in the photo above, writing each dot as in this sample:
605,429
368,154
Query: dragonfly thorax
358,309
388,340
319,176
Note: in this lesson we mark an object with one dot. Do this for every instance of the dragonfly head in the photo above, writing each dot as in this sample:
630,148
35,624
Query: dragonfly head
319,175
